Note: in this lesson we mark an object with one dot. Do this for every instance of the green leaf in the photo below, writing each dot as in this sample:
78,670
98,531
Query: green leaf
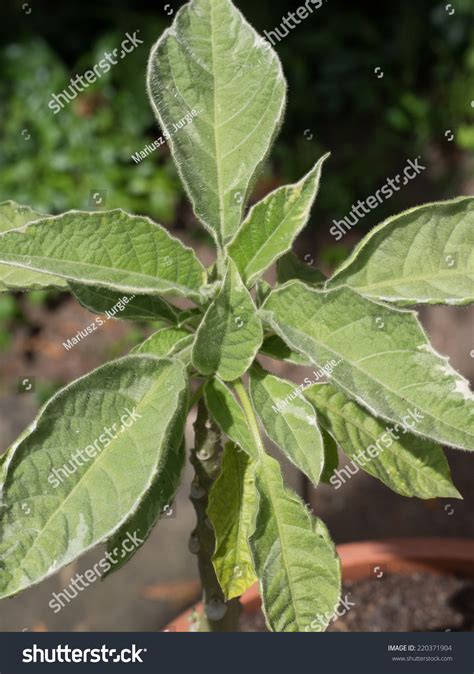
331,456
84,465
409,465
156,503
424,255
289,421
231,333
290,267
111,249
295,560
165,342
232,511
229,416
12,216
219,93
273,224
275,347
158,499
141,307
384,360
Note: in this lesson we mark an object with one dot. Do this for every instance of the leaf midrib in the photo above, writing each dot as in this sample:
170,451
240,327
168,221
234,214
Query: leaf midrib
163,283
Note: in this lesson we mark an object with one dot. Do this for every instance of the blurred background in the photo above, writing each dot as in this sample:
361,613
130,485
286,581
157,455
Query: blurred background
375,83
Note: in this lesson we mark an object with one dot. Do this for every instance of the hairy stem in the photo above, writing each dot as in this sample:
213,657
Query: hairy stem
249,414
219,615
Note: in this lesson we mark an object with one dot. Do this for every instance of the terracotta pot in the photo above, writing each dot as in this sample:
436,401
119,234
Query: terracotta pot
359,560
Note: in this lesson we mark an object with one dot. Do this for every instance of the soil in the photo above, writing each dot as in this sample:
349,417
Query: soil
417,602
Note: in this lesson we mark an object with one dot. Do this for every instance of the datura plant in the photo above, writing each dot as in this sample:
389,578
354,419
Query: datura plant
105,456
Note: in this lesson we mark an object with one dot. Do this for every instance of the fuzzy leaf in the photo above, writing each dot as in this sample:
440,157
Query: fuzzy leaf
409,465
137,308
158,499
103,421
212,62
386,362
111,249
229,416
273,224
289,421
424,255
12,216
165,342
295,561
231,332
232,511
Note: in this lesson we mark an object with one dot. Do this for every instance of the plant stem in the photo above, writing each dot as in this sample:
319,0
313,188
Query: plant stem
219,615
196,395
249,414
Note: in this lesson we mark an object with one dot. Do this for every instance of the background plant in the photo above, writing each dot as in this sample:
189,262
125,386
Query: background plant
249,525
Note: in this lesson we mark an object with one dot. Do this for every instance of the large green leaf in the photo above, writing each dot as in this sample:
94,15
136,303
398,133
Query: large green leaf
385,361
295,560
273,224
423,255
111,249
135,307
165,342
232,511
231,332
158,500
12,216
156,503
289,421
229,416
83,467
218,91
410,465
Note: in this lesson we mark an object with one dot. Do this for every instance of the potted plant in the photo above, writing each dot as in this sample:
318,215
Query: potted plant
105,455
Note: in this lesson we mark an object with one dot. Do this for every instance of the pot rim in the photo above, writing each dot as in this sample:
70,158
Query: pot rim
359,559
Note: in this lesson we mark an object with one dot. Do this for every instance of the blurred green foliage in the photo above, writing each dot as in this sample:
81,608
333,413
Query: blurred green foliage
57,161
336,101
